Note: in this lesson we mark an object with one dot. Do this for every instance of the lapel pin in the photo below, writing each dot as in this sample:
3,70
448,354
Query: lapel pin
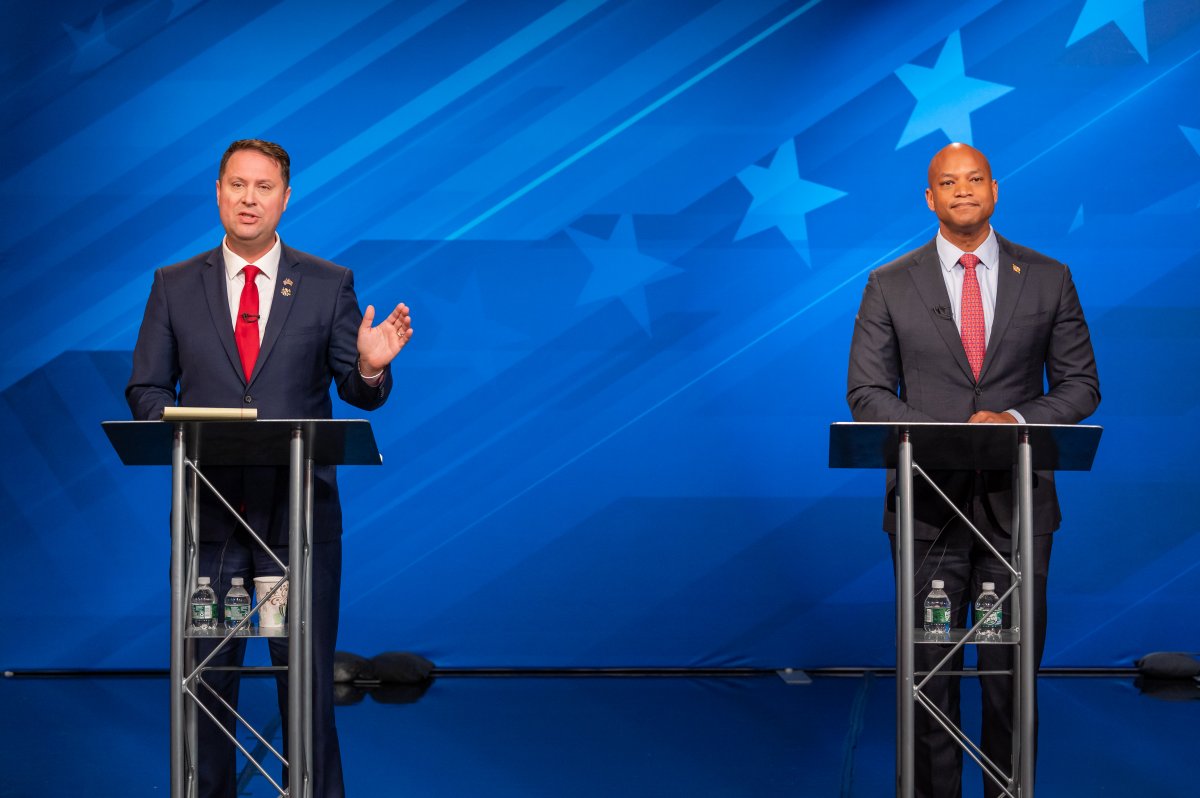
1016,268
285,291
288,281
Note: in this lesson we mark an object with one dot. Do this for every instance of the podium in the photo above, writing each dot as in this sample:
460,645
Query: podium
910,448
298,445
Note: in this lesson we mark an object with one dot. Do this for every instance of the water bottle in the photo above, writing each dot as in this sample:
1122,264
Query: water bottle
989,629
937,610
237,603
204,605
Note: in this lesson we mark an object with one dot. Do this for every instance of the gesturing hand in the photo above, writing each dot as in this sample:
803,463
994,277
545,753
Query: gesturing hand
377,346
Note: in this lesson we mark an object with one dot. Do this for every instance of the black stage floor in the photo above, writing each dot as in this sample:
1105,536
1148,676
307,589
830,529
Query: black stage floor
527,735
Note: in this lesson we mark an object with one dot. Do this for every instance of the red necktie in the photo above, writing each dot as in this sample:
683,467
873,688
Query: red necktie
972,327
245,329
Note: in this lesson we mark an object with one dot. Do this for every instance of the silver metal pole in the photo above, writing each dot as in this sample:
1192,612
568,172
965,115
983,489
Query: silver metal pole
191,712
298,689
905,620
178,770
308,600
1027,646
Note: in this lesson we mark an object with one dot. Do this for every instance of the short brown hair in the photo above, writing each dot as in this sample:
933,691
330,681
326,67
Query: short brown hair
268,148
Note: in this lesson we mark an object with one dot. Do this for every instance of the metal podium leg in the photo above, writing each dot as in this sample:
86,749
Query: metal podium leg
178,769
299,689
905,620
1027,648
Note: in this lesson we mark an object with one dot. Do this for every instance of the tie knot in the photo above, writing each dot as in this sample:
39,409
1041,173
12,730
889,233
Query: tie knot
251,271
968,260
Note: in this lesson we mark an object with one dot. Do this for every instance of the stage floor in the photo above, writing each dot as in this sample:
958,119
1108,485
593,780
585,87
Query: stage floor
470,736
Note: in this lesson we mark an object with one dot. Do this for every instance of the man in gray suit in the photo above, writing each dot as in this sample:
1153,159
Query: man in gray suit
970,327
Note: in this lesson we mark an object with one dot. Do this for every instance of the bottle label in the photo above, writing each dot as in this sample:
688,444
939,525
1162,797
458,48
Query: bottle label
937,615
235,612
202,612
996,621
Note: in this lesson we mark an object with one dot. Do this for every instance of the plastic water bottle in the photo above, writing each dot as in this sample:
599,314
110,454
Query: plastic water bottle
204,605
237,603
989,629
937,610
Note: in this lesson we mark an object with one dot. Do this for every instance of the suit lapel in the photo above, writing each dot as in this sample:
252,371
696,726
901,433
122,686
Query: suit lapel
1009,283
287,283
218,307
926,272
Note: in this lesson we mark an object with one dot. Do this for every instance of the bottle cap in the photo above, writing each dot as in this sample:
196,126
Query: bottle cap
938,584
204,580
237,580
988,586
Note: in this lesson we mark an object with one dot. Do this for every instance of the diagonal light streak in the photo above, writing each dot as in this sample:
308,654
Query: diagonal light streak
1128,608
1104,113
633,120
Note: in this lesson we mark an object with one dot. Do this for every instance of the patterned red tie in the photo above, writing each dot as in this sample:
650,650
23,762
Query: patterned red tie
972,327
245,329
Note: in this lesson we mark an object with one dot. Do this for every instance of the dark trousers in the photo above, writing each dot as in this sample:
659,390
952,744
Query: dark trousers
239,556
964,564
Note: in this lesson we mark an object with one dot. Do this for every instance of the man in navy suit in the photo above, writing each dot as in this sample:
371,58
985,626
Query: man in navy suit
255,323
1013,348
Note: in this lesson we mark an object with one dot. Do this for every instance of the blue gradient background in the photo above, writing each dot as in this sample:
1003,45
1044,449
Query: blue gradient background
634,235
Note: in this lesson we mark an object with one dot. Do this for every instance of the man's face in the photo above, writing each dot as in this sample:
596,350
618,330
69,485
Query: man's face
251,197
961,190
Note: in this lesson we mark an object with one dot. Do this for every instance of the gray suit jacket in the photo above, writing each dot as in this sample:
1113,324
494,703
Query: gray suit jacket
907,363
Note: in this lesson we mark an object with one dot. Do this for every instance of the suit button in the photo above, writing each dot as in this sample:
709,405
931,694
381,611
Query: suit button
978,392
248,399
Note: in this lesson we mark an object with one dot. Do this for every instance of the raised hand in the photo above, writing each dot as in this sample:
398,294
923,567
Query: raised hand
378,345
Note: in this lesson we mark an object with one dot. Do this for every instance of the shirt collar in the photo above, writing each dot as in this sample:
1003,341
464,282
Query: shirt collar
268,264
988,252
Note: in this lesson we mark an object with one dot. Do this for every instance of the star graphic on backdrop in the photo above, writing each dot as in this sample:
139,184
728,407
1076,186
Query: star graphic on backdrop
782,198
945,95
92,48
1128,15
619,269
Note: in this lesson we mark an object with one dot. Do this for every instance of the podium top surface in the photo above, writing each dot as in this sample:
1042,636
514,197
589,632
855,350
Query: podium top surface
245,443
988,447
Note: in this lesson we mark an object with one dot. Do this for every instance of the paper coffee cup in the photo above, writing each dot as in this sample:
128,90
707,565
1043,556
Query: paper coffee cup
272,612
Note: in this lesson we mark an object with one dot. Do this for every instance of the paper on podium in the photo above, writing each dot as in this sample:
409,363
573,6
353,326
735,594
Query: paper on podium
210,414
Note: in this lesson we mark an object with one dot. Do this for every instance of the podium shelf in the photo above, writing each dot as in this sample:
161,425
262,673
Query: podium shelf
1008,637
250,631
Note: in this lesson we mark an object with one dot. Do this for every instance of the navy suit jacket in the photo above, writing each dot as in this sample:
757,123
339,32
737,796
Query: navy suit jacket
186,355
907,363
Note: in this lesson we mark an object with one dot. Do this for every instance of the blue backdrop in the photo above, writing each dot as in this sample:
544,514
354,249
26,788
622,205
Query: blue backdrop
634,235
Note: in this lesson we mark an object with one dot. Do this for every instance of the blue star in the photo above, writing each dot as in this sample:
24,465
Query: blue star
620,270
945,95
781,199
1128,15
92,48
